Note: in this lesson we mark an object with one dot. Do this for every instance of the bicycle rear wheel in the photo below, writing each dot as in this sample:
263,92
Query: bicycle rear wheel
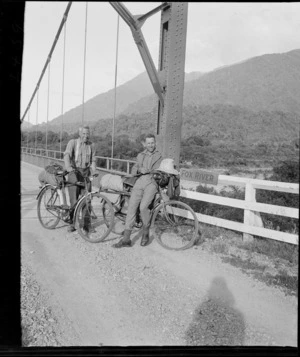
175,225
94,218
48,207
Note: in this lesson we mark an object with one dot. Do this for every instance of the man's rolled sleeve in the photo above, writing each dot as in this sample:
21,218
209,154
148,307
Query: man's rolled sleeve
93,158
136,166
68,154
69,149
93,153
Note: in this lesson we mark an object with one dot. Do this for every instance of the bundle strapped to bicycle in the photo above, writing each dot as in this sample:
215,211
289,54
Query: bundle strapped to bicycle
52,174
115,183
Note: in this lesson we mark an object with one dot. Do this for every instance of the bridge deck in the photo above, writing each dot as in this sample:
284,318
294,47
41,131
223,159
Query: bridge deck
269,317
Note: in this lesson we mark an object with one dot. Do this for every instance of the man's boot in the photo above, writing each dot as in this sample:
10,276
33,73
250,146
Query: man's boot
71,227
125,241
145,237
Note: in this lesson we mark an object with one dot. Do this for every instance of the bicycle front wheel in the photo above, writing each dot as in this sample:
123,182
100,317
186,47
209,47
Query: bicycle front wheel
93,222
175,225
48,207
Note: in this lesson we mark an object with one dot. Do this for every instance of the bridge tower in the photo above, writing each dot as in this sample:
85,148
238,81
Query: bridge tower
168,80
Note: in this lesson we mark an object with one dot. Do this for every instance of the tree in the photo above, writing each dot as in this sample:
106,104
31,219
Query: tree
287,171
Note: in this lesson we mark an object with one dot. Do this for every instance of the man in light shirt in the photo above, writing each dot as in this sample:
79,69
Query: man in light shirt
79,155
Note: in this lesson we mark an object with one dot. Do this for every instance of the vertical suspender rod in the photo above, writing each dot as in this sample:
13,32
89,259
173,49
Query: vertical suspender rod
49,57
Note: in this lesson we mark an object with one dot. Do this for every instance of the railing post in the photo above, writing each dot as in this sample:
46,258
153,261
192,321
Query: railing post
128,167
107,163
251,218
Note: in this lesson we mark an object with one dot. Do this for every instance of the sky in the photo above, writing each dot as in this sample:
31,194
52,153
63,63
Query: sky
218,34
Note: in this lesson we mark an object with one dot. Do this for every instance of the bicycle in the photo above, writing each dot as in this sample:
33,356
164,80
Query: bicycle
88,210
175,223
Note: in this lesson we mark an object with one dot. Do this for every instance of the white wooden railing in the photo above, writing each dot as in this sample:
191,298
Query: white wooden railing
252,224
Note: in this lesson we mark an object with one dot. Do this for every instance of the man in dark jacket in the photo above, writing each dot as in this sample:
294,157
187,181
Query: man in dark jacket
143,191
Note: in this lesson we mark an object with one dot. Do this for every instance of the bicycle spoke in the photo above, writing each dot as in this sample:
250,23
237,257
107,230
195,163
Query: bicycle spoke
175,226
49,208
91,221
120,218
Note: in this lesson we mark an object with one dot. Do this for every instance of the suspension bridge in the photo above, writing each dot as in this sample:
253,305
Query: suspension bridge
101,303
168,83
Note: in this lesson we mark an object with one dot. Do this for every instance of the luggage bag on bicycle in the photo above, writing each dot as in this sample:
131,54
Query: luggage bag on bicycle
116,182
168,181
49,175
111,182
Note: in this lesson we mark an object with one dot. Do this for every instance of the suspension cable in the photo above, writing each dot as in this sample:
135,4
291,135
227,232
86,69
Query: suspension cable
49,57
63,86
28,128
83,87
115,91
37,115
48,108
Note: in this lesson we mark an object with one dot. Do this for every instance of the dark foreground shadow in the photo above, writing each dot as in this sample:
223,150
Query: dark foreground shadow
216,321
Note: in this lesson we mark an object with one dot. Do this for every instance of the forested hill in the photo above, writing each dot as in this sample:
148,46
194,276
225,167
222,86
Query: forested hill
270,82
218,123
246,105
265,83
212,136
102,105
26,125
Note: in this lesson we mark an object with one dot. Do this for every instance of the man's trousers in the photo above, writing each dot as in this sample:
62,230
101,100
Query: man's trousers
142,194
75,191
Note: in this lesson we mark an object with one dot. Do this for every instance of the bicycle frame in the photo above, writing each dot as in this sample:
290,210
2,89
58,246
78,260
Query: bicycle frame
84,197
62,193
157,200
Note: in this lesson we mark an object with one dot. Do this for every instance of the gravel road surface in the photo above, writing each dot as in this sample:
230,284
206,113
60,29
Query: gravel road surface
76,293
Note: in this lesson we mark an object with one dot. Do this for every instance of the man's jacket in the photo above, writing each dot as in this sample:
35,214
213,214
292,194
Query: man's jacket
155,162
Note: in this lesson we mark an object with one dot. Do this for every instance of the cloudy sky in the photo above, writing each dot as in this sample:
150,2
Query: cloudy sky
218,34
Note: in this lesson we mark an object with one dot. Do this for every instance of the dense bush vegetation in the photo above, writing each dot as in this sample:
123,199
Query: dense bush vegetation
284,172
211,209
198,150
216,135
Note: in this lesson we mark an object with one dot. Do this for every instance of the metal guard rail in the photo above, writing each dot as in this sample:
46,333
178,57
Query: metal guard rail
109,162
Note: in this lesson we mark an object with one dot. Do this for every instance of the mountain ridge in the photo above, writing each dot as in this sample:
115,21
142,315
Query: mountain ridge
259,96
268,82
102,105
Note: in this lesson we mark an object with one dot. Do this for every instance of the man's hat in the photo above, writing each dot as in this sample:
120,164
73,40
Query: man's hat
167,165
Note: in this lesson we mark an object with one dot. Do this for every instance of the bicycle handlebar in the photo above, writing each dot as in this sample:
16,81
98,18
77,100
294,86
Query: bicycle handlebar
90,178
62,173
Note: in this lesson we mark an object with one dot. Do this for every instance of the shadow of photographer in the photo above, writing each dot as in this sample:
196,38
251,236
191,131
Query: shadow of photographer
216,322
